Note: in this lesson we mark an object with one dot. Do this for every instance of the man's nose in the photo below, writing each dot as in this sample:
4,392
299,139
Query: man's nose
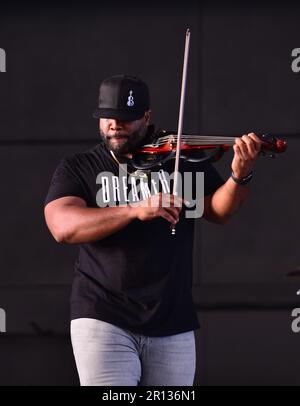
116,124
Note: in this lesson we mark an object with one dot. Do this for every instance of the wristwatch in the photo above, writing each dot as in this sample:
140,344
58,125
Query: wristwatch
244,180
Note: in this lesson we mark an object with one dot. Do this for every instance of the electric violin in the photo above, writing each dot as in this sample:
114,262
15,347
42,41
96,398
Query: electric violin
195,148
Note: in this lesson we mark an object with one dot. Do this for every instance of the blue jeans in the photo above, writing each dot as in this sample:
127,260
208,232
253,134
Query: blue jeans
107,355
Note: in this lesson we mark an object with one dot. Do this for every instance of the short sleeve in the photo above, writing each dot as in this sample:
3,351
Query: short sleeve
212,179
64,182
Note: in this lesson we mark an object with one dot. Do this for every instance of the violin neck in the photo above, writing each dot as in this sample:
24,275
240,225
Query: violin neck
192,139
268,143
209,139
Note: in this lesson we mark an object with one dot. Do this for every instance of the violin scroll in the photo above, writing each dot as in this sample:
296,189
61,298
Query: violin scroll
272,146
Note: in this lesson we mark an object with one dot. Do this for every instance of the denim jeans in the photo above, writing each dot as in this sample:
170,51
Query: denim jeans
107,355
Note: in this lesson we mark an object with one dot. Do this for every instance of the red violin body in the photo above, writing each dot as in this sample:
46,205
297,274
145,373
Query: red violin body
195,148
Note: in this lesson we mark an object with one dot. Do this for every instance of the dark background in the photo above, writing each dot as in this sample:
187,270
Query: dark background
239,80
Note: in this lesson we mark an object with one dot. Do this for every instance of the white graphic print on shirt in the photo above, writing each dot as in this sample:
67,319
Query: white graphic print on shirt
123,189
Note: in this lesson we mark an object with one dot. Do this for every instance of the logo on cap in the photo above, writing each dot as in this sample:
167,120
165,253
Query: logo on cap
130,101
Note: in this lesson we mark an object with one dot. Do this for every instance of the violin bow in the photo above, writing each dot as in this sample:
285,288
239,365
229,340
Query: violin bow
180,118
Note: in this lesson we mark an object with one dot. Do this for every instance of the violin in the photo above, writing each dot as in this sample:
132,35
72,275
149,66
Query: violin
195,148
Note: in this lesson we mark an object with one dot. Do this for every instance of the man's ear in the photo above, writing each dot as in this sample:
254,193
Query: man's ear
147,116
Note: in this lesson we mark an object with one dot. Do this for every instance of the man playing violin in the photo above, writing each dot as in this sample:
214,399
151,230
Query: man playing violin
132,314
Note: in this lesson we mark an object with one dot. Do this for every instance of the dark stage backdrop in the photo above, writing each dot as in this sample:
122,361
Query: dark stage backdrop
240,79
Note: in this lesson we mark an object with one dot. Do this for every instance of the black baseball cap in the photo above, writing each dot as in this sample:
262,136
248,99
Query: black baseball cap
123,97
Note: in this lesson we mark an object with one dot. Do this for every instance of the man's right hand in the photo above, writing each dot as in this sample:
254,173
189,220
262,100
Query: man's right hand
163,205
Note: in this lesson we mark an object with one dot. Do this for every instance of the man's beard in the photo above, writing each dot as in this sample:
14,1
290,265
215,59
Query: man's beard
128,143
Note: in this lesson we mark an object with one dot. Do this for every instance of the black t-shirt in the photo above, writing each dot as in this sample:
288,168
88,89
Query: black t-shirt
139,278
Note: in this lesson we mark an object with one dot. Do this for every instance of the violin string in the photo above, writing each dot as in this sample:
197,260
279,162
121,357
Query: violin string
211,140
192,144
195,140
196,137
199,137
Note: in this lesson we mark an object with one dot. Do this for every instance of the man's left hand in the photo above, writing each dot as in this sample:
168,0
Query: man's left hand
246,150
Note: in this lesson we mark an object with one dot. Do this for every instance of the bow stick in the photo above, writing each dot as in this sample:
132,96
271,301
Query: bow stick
180,119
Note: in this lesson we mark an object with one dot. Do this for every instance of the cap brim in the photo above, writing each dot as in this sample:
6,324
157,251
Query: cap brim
118,114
